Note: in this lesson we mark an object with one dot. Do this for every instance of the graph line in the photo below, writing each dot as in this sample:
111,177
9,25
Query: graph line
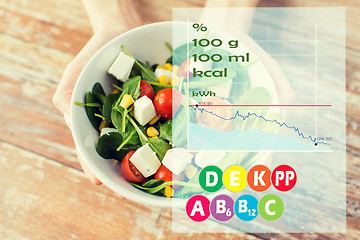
237,114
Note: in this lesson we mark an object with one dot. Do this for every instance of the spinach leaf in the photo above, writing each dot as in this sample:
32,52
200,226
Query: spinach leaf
152,183
159,146
131,87
146,72
99,93
107,107
166,130
130,137
107,144
154,187
116,119
91,111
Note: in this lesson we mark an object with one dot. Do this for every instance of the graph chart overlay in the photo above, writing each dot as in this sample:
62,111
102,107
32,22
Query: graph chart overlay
240,98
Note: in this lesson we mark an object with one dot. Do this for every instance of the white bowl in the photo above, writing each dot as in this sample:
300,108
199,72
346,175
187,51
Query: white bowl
147,43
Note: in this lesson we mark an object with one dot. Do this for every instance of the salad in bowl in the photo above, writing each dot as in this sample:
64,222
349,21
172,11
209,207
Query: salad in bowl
125,105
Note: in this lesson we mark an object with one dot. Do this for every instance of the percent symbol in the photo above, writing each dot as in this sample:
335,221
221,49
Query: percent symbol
200,27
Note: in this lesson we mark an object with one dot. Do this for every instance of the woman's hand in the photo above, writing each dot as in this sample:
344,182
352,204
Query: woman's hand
108,20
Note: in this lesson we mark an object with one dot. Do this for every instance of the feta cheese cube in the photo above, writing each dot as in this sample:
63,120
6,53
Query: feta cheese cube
107,131
121,67
223,89
176,160
144,110
206,158
145,160
167,73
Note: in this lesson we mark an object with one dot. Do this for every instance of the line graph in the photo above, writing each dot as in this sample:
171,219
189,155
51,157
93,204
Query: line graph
314,140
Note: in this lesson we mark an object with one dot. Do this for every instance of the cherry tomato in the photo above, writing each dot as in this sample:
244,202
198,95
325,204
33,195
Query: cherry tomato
184,69
163,173
146,89
129,171
164,100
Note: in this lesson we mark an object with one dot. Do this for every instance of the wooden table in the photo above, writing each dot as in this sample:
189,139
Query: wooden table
43,191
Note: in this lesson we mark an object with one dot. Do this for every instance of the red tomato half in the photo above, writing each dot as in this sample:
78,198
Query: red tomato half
163,173
146,89
164,100
129,171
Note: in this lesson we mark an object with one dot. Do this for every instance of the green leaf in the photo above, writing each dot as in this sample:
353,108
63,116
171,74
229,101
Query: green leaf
159,146
166,130
99,93
107,144
130,137
131,87
156,189
109,101
91,111
152,183
116,119
146,72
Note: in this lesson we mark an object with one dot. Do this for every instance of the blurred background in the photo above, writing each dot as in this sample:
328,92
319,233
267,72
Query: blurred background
43,191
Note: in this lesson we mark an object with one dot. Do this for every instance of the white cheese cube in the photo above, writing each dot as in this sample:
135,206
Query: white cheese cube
176,160
206,158
107,131
121,67
167,73
222,90
144,110
145,160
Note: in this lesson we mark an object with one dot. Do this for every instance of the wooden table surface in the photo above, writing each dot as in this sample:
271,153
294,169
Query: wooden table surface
43,191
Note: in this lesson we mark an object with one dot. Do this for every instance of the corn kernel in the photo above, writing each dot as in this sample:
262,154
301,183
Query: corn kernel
152,132
132,113
159,66
126,101
190,171
156,137
175,80
168,66
154,120
103,124
175,69
169,192
162,79
116,161
115,91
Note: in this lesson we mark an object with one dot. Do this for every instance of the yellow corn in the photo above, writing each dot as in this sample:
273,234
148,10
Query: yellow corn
154,120
152,132
159,66
103,124
168,66
132,113
126,101
116,161
156,137
175,69
162,79
190,171
169,192
115,91
174,80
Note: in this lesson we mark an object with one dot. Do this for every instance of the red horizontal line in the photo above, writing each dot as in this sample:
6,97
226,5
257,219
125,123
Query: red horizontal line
261,105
